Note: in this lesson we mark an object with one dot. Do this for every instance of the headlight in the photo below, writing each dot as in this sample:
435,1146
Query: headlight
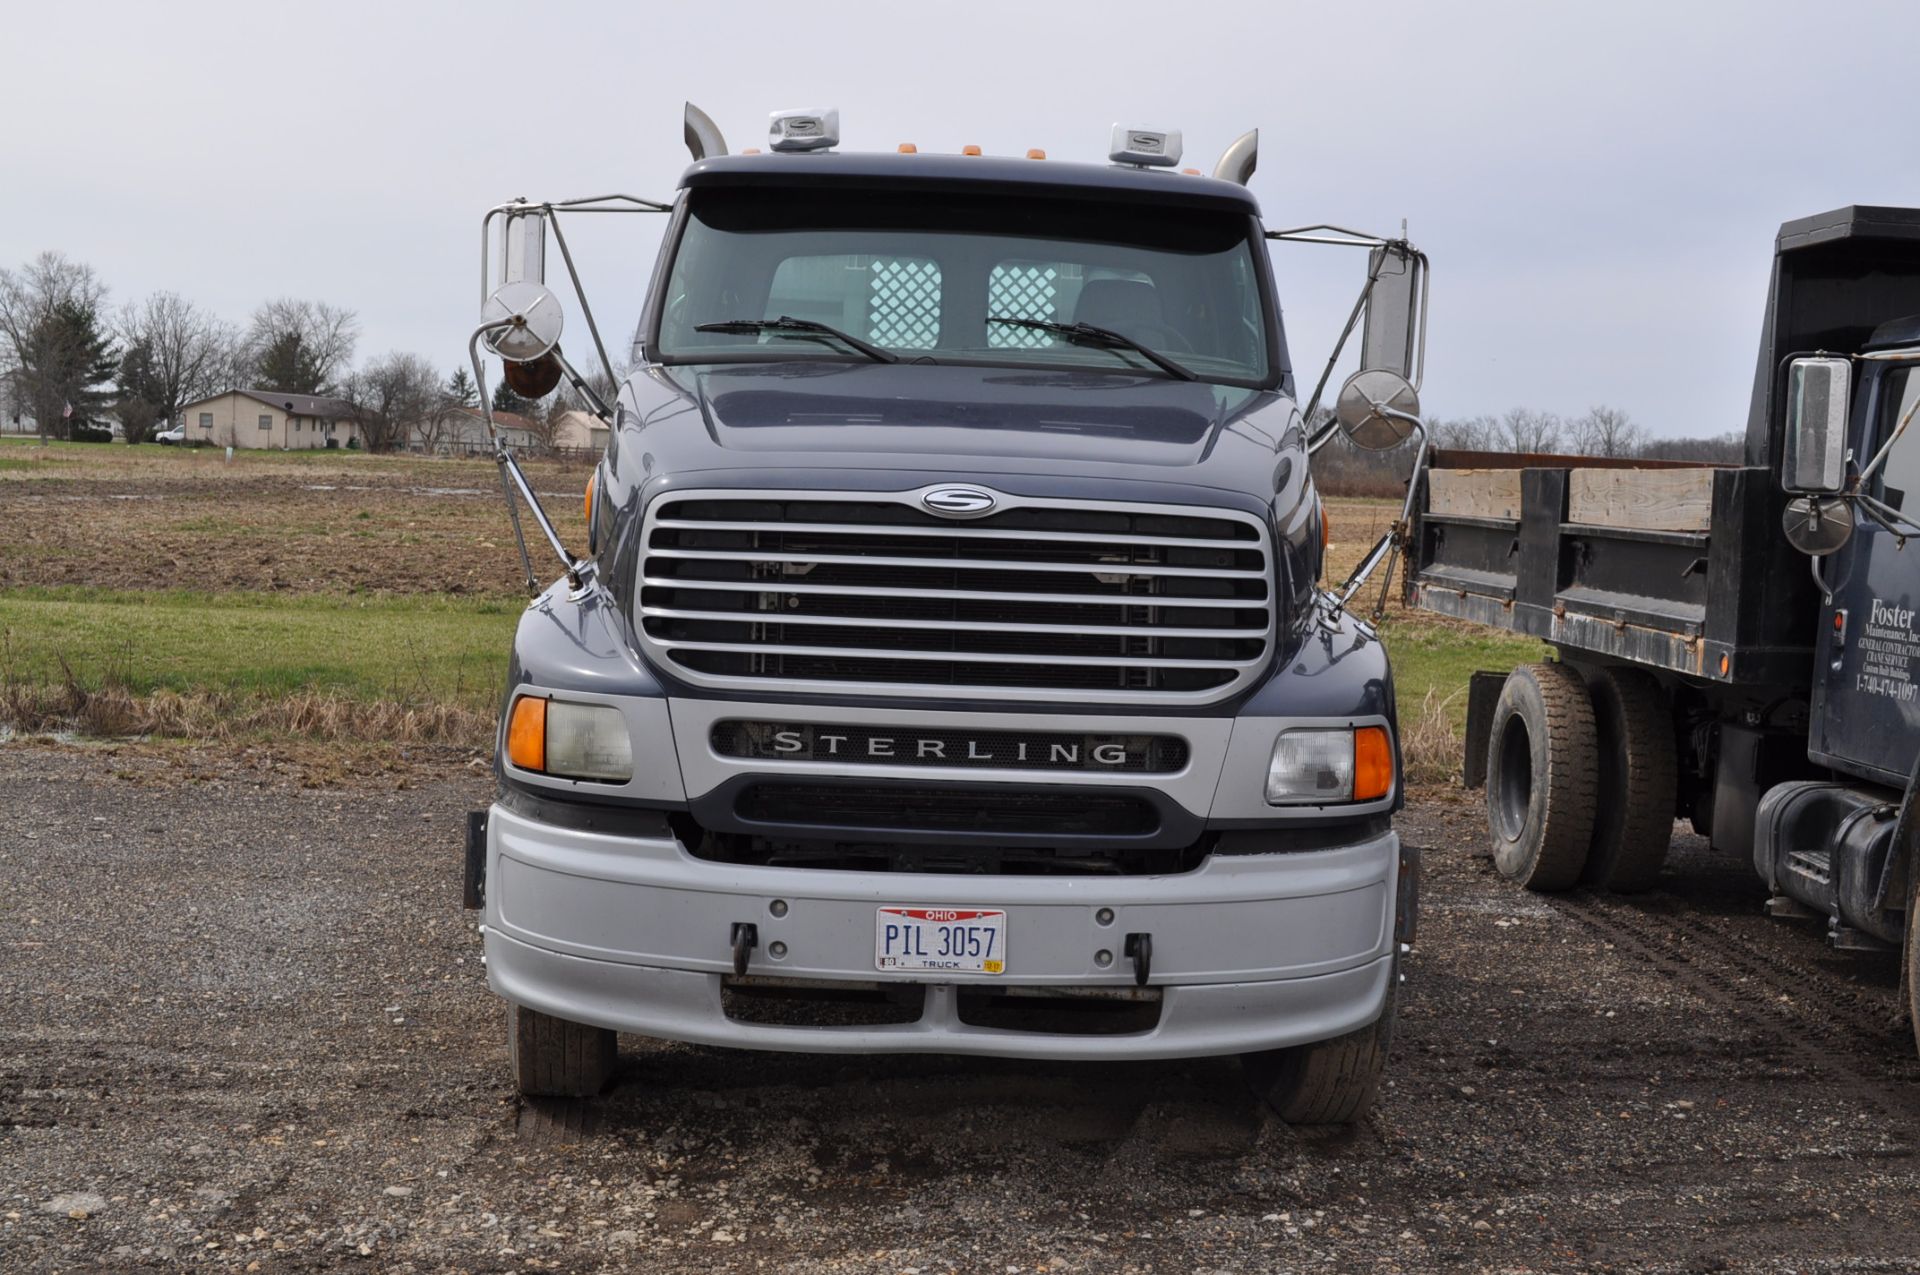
1326,767
569,740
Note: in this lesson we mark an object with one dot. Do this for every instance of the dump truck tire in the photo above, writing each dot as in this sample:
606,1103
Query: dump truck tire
1910,954
554,1058
1329,1081
1633,812
1542,777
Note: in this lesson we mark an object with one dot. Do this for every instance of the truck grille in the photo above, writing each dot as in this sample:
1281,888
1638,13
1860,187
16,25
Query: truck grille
1083,602
892,807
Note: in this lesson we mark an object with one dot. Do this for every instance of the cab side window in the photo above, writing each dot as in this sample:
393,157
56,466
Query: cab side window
1900,477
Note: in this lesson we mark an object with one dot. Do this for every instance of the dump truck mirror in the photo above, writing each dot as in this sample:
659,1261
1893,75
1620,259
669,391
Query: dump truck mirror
523,321
1391,339
1816,436
1818,527
1377,409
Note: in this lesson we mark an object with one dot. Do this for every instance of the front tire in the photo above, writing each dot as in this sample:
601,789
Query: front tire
554,1058
1542,777
1329,1081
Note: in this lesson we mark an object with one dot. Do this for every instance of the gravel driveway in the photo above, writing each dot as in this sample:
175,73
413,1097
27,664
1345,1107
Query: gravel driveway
243,1026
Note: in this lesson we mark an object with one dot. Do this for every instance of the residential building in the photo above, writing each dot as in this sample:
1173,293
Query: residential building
271,419
578,431
462,431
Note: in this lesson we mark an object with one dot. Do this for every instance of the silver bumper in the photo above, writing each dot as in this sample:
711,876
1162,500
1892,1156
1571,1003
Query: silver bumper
1249,952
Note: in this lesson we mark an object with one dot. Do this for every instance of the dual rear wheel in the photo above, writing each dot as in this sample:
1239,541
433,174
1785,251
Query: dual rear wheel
1580,778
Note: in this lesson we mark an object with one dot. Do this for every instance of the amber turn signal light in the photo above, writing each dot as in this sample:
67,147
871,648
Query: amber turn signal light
1372,763
527,733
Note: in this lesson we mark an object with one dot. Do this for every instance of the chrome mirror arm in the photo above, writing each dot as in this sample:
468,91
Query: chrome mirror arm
1388,548
511,475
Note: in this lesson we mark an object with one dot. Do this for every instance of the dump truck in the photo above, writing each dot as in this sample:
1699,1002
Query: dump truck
1735,644
948,666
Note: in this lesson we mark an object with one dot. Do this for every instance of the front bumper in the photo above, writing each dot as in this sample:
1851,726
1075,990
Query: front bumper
1250,952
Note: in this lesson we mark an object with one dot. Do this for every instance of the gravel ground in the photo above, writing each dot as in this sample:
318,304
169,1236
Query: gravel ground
243,1026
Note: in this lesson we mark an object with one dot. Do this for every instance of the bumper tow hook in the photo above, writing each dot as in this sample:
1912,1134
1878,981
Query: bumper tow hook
1140,948
744,937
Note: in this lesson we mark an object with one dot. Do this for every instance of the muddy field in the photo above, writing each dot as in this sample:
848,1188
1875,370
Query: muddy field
111,518
243,1026
303,523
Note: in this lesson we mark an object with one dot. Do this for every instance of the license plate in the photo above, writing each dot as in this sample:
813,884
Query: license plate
961,940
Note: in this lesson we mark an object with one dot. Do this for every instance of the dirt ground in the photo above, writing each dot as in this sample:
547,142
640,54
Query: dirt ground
243,1026
304,523
111,518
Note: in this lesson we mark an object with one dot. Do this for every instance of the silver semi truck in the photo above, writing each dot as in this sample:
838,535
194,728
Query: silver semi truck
947,668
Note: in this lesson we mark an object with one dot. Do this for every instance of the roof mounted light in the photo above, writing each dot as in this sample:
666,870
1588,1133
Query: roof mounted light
804,130
1149,148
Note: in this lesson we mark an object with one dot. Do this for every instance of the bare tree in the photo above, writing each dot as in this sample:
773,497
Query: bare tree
391,397
1527,429
1467,433
1606,431
176,353
303,347
50,349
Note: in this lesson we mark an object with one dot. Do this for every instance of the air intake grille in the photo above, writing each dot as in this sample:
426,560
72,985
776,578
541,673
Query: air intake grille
1067,602
902,808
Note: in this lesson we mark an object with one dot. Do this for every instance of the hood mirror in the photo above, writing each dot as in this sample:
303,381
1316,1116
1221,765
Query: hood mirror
524,319
533,380
1818,527
1377,409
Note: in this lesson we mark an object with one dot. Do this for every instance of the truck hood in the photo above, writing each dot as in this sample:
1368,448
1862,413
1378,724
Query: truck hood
961,421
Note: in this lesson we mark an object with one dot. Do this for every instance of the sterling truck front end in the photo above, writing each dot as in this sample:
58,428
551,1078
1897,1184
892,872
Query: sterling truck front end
947,671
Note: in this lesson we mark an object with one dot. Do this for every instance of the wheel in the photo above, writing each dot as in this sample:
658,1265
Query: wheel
554,1058
1633,813
1910,952
1329,1081
1542,764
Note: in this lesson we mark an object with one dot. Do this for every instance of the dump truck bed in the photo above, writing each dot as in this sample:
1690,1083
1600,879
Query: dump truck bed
1674,566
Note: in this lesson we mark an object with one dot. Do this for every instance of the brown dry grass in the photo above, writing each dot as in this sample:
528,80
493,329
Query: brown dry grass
113,711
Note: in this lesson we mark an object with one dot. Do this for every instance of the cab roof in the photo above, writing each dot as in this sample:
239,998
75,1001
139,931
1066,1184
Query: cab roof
971,172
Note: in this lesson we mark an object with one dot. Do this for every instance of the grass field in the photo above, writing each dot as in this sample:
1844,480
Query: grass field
339,595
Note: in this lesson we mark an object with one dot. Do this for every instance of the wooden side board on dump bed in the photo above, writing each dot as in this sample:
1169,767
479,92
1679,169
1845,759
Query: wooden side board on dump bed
1679,567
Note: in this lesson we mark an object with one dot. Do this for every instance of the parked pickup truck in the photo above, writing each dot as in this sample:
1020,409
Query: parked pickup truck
946,670
1736,644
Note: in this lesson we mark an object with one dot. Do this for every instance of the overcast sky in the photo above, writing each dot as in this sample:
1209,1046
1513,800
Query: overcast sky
1598,187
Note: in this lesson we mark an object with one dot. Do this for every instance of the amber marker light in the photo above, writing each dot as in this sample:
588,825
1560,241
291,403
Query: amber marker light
1036,153
592,479
1372,763
969,149
527,733
908,148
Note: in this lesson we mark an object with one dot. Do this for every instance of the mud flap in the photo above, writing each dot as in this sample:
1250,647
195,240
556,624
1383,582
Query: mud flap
474,888
1483,696
1406,908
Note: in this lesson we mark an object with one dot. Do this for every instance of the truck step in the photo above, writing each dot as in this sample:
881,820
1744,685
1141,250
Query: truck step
1815,865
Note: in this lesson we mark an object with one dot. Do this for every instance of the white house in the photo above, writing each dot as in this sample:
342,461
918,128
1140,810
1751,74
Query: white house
270,418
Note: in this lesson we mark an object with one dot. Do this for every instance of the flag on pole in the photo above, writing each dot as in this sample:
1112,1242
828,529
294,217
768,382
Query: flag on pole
66,412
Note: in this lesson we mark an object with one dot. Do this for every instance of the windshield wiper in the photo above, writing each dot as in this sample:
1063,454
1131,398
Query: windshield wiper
1101,338
788,326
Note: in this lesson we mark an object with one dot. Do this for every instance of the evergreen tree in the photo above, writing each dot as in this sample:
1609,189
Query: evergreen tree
460,389
289,366
78,362
505,400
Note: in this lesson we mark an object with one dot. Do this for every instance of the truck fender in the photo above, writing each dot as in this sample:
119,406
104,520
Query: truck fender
1896,879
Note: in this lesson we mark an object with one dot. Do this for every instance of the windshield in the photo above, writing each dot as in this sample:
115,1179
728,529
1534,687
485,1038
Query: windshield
921,274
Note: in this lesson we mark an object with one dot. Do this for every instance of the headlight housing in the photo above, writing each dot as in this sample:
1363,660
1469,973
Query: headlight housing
1323,767
569,740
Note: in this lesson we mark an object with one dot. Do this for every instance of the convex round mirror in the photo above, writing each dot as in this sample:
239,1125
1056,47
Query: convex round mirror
1377,409
1818,527
532,316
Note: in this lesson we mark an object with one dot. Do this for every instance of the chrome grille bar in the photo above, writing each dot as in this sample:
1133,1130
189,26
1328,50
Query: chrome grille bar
732,594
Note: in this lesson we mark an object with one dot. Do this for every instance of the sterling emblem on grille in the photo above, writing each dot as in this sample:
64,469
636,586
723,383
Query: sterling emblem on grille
959,502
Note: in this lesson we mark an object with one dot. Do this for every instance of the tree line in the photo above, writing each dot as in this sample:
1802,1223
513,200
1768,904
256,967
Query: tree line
68,361
1344,470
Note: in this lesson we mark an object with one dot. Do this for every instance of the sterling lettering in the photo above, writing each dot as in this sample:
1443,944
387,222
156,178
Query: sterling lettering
803,743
